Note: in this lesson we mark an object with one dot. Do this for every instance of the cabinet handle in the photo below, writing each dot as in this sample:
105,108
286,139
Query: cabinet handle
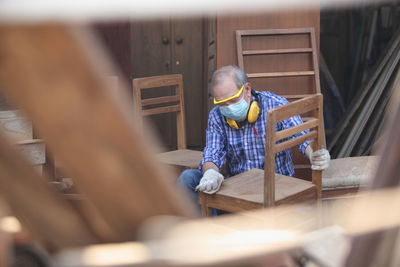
179,40
167,64
165,40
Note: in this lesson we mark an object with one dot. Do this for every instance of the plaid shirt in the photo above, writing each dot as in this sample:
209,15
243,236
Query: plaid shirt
244,149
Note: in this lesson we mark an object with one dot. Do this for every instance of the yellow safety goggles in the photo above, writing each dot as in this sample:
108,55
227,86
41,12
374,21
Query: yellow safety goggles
229,98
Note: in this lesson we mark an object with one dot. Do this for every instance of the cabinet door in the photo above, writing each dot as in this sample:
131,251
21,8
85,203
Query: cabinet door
151,56
187,54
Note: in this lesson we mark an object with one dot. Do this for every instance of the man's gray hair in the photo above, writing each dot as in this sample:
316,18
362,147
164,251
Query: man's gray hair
230,71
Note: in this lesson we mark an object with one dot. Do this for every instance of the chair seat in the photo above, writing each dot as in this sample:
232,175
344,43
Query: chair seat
249,186
183,158
352,172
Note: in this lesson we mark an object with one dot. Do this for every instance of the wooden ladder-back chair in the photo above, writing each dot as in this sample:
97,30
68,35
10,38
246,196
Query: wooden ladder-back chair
284,61
264,188
182,158
275,48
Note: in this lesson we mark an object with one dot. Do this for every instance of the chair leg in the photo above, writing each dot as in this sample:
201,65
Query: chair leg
205,210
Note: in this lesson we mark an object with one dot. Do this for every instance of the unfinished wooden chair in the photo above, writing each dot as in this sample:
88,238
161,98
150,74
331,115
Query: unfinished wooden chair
286,46
284,61
264,188
182,158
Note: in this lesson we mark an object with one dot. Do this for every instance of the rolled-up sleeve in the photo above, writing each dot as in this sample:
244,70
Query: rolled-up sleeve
215,150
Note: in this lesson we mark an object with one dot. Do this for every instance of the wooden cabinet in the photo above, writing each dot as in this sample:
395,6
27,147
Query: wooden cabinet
174,46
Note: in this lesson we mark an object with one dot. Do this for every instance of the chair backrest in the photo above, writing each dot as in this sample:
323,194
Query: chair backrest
311,104
170,103
289,55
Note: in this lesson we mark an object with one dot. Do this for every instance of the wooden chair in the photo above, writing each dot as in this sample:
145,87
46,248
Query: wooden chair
284,61
289,67
182,158
264,188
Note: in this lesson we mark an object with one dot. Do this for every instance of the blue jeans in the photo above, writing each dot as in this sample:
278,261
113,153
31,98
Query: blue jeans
189,179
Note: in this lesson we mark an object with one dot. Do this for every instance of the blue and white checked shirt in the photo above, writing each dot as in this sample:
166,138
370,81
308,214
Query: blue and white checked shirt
244,149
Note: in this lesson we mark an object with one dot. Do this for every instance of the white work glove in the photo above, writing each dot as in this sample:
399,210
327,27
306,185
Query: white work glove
320,159
210,182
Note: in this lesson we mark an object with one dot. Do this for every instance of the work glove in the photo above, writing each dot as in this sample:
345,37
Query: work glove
320,159
210,182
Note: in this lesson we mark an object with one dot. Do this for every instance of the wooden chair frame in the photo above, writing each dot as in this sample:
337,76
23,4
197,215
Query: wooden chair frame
312,104
176,101
182,158
271,32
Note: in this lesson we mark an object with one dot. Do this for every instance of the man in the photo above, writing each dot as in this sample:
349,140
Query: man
236,132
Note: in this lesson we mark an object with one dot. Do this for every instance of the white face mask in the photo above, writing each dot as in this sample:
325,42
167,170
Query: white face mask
237,111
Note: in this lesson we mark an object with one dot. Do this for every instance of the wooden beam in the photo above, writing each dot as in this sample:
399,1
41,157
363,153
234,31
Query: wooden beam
362,95
56,74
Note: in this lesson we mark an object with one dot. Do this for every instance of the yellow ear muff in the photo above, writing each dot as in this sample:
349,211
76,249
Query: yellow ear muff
232,123
253,113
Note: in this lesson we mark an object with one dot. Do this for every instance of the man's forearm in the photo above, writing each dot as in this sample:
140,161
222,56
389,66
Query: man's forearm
209,165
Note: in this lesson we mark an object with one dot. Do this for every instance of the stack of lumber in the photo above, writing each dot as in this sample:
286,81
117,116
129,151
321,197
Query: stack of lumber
359,129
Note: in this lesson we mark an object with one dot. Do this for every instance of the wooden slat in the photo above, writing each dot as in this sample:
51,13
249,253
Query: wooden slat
296,96
299,128
269,164
280,74
41,210
160,100
161,110
239,49
297,107
296,141
175,80
277,51
75,112
274,31
315,62
158,81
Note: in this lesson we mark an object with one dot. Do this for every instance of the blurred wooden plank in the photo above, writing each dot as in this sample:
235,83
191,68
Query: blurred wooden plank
88,126
247,237
39,208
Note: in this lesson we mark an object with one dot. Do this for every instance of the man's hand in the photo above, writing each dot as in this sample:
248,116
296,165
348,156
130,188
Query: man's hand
320,159
210,182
